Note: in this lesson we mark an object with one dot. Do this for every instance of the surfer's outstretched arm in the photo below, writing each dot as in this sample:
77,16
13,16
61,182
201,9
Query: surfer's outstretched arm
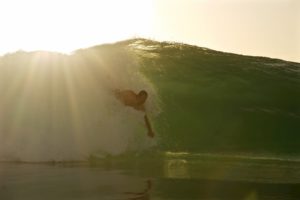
148,125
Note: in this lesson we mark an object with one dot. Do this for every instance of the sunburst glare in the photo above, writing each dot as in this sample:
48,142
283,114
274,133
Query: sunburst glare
60,25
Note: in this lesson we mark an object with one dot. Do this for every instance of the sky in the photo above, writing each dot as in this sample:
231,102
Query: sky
268,28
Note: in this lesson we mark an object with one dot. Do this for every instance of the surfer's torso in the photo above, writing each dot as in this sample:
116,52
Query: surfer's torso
130,98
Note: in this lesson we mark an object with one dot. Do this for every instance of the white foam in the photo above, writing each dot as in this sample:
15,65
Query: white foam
68,111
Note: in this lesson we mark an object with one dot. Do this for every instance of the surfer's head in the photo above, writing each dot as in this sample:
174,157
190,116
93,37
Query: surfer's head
142,96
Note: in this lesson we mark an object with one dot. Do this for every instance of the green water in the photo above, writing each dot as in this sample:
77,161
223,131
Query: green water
219,102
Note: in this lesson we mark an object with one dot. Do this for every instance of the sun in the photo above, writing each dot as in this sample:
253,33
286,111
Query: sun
63,25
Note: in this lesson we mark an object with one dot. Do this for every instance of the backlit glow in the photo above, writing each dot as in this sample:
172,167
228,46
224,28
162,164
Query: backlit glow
63,25
252,27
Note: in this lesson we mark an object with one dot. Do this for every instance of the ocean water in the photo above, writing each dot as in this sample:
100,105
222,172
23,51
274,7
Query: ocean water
167,176
226,125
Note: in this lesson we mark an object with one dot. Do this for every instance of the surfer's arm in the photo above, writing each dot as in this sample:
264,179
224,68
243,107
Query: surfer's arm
148,125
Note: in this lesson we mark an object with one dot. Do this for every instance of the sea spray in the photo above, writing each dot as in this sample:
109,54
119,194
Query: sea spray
62,107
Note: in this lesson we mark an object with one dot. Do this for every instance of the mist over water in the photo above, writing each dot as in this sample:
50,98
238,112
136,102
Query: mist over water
62,108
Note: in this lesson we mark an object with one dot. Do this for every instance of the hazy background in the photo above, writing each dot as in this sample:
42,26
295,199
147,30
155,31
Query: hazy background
254,27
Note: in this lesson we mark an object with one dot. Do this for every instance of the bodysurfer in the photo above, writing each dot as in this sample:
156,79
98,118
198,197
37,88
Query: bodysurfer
136,101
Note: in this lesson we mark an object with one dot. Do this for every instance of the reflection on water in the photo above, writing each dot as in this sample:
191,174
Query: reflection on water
176,168
144,195
224,190
172,178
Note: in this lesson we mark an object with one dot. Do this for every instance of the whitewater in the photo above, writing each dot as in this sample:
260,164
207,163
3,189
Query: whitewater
57,107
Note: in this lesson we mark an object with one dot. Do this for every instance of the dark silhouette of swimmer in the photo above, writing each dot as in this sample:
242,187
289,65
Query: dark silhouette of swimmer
136,101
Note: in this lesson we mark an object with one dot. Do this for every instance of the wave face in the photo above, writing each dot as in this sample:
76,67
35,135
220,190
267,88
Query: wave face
224,103
62,107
